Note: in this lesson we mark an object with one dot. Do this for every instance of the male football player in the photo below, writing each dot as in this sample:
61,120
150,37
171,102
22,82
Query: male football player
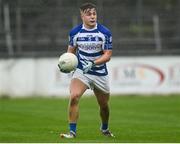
92,43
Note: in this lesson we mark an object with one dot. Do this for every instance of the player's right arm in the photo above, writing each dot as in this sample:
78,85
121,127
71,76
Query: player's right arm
71,49
73,39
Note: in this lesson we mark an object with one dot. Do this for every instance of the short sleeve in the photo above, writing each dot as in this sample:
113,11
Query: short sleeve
108,41
72,40
73,35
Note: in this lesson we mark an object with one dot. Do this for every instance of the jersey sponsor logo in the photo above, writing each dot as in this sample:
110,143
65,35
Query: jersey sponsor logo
89,46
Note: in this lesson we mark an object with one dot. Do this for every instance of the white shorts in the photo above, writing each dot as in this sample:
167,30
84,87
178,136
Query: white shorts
92,81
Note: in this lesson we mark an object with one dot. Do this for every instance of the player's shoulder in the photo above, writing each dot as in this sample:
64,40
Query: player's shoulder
103,29
75,30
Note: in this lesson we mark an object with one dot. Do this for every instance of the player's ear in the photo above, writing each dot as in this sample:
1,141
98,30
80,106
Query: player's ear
81,13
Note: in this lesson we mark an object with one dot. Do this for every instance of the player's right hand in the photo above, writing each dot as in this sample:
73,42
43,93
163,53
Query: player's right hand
61,70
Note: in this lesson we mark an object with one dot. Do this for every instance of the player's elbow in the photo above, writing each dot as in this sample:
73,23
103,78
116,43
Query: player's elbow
108,59
108,55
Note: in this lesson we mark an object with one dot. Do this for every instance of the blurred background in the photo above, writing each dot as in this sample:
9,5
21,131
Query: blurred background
38,28
144,71
146,44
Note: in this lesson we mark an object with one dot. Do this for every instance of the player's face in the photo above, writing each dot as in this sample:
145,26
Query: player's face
89,18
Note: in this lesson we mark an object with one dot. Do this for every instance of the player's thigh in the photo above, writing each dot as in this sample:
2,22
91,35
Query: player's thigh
77,88
101,96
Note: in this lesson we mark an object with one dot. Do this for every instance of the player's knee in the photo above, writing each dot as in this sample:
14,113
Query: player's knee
74,101
74,98
103,105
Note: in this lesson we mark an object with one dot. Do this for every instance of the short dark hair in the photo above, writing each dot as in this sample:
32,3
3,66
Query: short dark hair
86,6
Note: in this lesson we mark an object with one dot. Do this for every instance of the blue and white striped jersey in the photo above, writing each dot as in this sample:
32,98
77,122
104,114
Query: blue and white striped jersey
90,44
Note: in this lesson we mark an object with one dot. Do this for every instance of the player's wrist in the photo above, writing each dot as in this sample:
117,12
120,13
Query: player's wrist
93,63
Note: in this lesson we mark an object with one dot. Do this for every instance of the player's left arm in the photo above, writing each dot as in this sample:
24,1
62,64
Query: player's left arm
104,58
107,50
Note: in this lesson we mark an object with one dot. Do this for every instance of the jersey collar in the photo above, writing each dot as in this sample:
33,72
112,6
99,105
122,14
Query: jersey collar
83,27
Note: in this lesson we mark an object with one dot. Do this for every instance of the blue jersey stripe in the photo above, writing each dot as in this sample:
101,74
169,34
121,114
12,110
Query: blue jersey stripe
85,39
90,54
96,73
99,68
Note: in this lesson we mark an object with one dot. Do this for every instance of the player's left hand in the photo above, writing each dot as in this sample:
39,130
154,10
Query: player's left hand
88,66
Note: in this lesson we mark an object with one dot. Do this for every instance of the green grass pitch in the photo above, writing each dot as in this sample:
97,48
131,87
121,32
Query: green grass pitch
132,119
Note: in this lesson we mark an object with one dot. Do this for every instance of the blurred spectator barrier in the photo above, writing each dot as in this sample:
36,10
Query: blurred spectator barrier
39,28
128,75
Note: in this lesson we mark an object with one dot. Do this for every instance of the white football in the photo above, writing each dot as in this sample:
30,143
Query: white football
67,62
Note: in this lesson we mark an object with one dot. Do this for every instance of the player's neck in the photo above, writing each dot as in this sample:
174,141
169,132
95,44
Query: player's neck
89,28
